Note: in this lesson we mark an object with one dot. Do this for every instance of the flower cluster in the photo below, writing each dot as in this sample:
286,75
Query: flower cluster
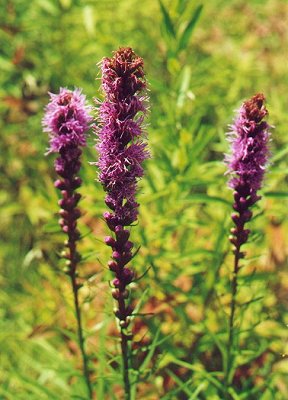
247,162
121,147
122,151
67,121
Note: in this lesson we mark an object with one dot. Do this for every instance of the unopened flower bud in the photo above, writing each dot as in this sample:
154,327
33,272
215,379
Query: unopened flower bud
109,241
116,282
113,266
115,294
60,184
76,182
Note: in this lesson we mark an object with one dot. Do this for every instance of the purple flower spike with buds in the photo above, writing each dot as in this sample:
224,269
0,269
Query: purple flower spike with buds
249,137
67,121
247,163
121,146
122,150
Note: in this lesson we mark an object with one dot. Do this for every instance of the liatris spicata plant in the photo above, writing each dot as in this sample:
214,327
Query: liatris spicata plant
67,121
122,150
249,137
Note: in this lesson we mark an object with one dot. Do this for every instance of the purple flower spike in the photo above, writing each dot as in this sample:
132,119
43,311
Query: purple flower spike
67,121
121,146
122,150
247,162
249,137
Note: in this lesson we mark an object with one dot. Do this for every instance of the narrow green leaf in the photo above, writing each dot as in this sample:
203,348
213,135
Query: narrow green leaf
205,198
199,389
185,37
279,154
150,353
152,349
186,75
200,370
181,6
276,194
167,21
182,386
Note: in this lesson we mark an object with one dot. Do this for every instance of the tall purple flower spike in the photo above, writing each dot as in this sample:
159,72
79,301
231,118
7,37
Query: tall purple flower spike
122,150
247,163
249,137
67,121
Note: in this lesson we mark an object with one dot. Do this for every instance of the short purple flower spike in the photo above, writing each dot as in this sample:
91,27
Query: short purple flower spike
122,150
249,138
247,162
66,119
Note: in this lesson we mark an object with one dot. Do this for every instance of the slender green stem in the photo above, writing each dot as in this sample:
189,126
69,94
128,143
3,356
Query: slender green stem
125,352
230,345
125,361
74,257
81,336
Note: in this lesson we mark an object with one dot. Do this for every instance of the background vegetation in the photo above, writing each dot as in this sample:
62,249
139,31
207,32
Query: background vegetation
199,72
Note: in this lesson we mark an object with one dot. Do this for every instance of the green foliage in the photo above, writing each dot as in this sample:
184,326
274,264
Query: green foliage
202,59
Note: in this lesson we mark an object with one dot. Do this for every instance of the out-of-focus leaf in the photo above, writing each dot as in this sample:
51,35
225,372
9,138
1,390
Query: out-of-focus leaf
185,37
167,20
276,194
48,6
186,76
89,21
205,198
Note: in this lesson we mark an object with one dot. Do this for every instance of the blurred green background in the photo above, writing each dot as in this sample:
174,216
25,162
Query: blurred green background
202,60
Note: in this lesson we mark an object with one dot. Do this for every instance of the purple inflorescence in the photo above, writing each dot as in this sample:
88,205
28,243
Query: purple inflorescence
122,150
121,146
247,162
67,121
249,137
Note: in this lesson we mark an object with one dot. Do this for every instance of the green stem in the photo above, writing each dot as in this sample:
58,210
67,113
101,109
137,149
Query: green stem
230,345
81,336
124,349
74,257
125,361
